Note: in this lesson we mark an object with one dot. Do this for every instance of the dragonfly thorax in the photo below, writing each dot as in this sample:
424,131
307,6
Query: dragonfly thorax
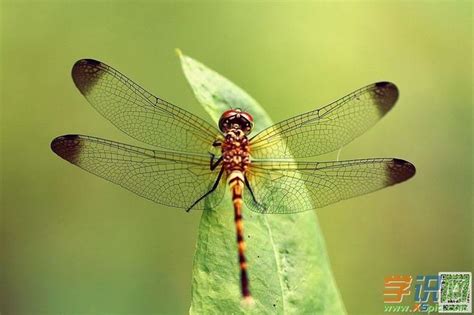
236,119
235,151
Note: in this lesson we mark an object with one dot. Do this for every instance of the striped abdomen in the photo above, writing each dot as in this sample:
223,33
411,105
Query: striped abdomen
236,184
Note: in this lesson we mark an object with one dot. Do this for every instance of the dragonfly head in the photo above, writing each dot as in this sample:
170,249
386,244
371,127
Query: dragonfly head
236,119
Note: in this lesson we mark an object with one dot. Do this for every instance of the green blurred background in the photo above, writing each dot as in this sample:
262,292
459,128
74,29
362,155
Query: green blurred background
72,243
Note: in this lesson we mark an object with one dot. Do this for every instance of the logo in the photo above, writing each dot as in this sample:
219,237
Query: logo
446,292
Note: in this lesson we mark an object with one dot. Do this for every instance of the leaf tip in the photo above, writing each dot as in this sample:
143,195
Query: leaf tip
178,52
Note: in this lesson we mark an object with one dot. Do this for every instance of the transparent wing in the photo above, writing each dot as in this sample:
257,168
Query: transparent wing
140,114
172,179
328,128
283,186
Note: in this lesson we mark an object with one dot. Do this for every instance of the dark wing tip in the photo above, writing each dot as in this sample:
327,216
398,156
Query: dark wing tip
383,84
85,73
68,147
88,61
385,95
399,171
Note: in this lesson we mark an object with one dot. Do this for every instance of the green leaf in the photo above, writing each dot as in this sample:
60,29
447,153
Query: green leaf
288,267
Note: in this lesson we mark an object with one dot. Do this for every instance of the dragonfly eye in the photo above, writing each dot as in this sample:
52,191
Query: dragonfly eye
236,119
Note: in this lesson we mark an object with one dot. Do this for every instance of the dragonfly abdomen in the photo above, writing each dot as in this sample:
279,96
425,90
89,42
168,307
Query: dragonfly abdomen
236,184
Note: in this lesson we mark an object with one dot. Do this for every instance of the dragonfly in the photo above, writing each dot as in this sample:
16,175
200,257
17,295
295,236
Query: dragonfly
192,162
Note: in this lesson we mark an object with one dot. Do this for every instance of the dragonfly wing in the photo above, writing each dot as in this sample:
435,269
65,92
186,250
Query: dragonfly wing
280,186
140,114
168,178
326,129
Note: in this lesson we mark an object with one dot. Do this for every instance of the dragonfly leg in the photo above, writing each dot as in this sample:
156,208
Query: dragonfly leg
214,165
247,184
210,191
